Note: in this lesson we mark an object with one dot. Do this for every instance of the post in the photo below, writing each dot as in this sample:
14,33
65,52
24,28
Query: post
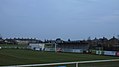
76,64
55,47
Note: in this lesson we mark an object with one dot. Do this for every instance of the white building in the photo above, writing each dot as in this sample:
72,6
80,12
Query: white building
37,46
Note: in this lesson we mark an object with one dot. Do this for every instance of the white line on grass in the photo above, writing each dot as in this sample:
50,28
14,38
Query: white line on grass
93,61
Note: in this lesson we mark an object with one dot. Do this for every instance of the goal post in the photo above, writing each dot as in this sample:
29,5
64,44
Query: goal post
77,64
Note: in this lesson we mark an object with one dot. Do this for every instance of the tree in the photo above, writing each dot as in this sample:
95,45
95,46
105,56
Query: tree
89,38
118,37
69,40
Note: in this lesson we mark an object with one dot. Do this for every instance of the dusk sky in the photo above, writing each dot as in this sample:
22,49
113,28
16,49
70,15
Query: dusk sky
51,19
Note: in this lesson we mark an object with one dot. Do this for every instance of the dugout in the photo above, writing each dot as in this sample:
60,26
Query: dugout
73,46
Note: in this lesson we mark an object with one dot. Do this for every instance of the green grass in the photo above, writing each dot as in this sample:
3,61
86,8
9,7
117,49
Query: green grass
17,57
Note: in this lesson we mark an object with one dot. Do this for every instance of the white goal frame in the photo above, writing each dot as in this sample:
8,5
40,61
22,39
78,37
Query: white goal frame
76,63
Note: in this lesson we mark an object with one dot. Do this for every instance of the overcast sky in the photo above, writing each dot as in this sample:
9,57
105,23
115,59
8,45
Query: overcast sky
51,19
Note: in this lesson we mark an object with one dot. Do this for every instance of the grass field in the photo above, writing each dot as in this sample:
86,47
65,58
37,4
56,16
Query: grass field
17,57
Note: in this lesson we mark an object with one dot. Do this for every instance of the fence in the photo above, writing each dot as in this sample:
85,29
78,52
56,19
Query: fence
77,64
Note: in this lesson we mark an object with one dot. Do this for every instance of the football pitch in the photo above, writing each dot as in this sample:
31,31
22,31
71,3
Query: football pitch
24,57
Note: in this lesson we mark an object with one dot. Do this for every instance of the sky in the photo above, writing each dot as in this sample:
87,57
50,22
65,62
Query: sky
65,19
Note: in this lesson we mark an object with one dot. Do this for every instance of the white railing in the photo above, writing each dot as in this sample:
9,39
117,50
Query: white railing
76,63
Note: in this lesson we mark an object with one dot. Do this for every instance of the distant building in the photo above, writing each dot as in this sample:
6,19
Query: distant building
37,46
22,41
